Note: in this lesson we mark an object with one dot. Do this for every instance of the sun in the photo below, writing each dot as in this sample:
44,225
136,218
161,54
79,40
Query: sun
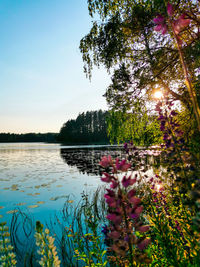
158,94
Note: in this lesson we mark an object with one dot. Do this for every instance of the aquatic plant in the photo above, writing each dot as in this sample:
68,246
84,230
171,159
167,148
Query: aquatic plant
87,238
7,256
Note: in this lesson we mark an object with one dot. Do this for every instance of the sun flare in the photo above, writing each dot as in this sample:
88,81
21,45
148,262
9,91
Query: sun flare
158,94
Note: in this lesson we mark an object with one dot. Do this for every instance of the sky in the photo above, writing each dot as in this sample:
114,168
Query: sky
42,83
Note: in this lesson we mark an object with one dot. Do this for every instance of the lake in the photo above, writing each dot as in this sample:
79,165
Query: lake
39,178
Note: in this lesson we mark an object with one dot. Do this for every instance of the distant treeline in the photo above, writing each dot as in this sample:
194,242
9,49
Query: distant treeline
87,128
28,137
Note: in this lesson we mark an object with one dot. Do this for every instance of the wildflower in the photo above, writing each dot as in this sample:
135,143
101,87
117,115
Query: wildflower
124,211
128,181
123,165
114,217
46,247
170,9
143,228
180,24
107,178
143,244
161,24
106,161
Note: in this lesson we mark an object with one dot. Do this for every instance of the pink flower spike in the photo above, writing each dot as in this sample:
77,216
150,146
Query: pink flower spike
142,245
131,193
128,181
107,178
123,165
114,218
139,210
114,235
180,23
111,202
135,200
134,215
106,161
158,27
114,184
164,29
143,229
159,19
170,9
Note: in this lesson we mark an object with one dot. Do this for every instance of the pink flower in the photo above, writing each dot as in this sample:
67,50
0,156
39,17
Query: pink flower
115,218
114,184
170,9
123,165
111,202
107,178
128,181
144,243
161,25
135,200
180,23
159,19
143,228
106,161
114,235
139,210
134,215
131,193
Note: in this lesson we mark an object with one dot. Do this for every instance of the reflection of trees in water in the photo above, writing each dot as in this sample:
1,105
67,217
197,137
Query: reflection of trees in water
87,159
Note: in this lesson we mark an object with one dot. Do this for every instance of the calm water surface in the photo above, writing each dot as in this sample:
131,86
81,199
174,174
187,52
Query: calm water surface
35,178
38,178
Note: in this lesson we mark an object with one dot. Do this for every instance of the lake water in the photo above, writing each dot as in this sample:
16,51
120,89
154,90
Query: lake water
38,178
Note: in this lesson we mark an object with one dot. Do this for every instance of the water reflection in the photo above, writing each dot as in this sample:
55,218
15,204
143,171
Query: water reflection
87,159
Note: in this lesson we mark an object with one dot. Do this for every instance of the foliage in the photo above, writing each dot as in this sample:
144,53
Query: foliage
122,38
88,246
124,235
7,256
87,128
28,137
45,242
137,126
174,241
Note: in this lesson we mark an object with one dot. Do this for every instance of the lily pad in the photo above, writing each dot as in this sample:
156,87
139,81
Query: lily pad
1,207
11,211
21,204
40,202
33,206
70,201
14,187
37,186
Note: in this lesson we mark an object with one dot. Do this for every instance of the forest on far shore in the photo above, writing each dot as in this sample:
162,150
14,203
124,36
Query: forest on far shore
97,127
28,137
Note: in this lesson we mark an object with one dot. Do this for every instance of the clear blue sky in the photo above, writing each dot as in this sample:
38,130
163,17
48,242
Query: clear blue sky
41,69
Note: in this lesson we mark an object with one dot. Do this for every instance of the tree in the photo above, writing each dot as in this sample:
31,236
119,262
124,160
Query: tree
143,59
87,128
